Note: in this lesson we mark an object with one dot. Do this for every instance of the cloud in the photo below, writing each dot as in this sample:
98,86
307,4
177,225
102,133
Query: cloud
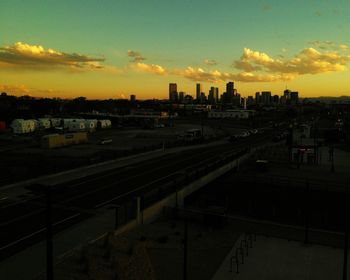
14,89
23,56
255,66
200,75
343,47
210,62
136,56
149,68
20,90
324,45
307,61
328,45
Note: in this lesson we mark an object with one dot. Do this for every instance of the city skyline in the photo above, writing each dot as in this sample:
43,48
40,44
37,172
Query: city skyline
114,49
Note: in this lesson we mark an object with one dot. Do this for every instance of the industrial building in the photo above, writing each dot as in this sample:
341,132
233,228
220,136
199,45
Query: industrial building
60,140
231,114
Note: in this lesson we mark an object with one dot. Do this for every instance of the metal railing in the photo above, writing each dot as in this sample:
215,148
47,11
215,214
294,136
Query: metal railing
242,250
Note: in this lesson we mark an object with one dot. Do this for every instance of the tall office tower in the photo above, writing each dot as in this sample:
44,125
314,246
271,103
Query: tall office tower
216,95
203,97
236,100
286,94
294,97
230,89
244,103
266,97
132,98
257,98
198,92
250,100
211,95
173,92
181,96
276,99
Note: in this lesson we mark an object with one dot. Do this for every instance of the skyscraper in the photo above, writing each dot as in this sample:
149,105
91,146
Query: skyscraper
213,96
257,98
230,93
286,94
173,92
294,97
230,89
181,96
266,97
199,92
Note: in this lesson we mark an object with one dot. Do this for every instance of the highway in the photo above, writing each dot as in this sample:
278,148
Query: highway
22,223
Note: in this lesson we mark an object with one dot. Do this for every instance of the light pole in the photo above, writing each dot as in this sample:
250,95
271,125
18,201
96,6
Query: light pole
185,249
49,235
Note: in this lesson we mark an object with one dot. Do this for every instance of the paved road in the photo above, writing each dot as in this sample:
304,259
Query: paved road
22,223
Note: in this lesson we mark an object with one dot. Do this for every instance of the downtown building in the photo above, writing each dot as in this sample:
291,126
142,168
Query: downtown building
173,94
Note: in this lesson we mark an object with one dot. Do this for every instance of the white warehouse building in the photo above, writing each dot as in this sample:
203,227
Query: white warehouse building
44,123
90,125
21,126
231,114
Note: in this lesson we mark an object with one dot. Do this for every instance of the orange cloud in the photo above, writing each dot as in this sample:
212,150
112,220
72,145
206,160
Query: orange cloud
136,56
23,56
308,61
14,89
149,68
210,62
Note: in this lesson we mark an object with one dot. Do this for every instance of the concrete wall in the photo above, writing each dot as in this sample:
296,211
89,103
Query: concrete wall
155,211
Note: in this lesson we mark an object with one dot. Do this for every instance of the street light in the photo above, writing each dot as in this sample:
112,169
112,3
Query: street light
46,190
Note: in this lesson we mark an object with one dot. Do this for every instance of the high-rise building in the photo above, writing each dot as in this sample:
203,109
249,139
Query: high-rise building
230,89
294,97
203,97
198,92
181,96
244,103
257,98
230,93
236,100
216,94
286,94
132,98
250,100
188,99
275,99
266,97
173,96
213,96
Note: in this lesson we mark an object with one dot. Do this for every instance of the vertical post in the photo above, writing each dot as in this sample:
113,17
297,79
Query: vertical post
332,158
49,242
307,210
116,221
202,128
345,264
138,210
298,159
185,249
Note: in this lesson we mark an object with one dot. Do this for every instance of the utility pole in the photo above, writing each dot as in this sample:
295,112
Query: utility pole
307,214
49,235
202,128
345,263
185,249
331,151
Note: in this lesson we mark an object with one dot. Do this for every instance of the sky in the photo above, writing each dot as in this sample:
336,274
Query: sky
111,49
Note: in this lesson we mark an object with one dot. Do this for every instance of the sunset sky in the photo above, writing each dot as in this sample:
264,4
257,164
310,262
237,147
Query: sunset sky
112,48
